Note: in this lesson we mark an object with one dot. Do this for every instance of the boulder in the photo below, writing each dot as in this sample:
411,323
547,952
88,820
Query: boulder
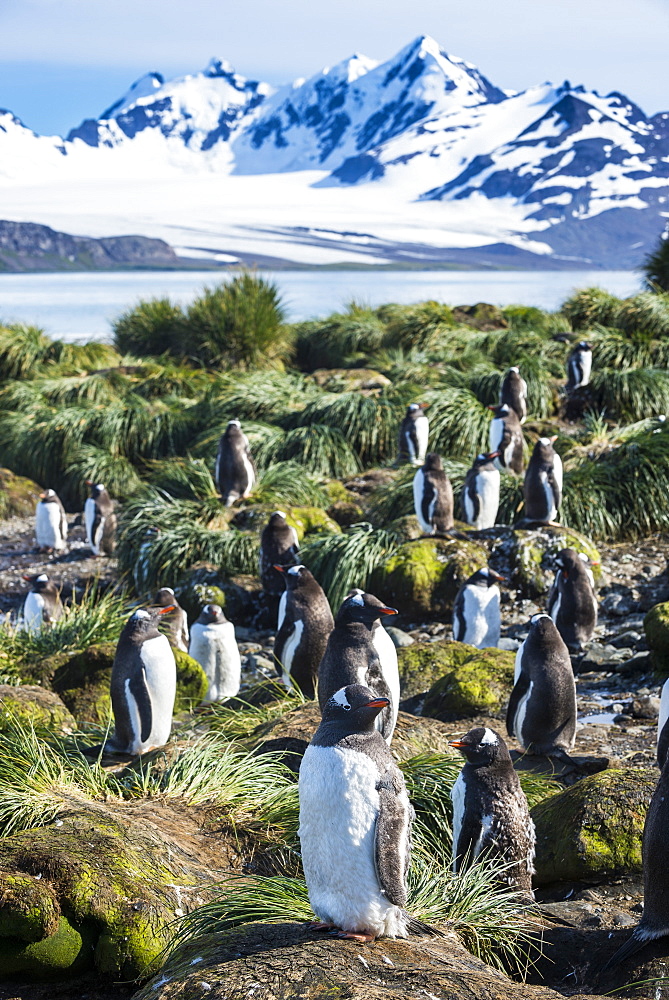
482,316
365,380
595,827
533,557
36,706
83,679
421,579
100,889
18,496
284,961
656,627
470,681
204,584
346,513
305,520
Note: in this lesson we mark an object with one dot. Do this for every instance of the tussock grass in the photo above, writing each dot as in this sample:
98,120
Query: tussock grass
631,394
591,307
183,478
287,483
369,424
342,562
340,341
240,721
317,448
459,423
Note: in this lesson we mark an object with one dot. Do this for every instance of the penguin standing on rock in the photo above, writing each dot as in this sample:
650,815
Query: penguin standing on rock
355,823
579,366
433,496
542,708
50,523
572,602
213,645
506,439
414,433
100,520
513,392
305,623
143,685
175,619
542,488
654,922
490,811
42,604
480,492
360,651
476,615
278,545
235,470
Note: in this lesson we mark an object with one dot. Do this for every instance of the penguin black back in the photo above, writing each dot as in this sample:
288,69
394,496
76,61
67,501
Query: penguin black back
278,545
579,366
572,602
305,623
433,496
542,488
480,492
413,436
506,438
513,392
100,520
235,469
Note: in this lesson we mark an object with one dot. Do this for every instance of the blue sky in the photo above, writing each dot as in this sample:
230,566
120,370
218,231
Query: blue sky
65,60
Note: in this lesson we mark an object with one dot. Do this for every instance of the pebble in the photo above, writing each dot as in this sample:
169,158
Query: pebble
399,637
506,642
625,639
640,661
646,707
617,604
621,919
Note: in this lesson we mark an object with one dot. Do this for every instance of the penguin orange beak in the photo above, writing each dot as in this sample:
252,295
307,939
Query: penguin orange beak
457,744
497,576
42,496
89,482
553,439
493,408
378,703
387,611
281,569
492,454
27,578
164,611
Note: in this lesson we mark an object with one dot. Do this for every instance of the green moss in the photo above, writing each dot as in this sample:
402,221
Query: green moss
336,492
346,513
34,705
192,682
18,496
67,950
311,520
83,680
534,553
29,908
595,827
422,578
471,681
656,626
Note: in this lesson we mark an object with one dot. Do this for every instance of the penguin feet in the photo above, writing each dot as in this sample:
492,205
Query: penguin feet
318,925
355,936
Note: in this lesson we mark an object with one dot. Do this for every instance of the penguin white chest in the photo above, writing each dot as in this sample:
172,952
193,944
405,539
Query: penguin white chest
664,709
458,795
161,680
422,435
250,476
339,806
215,649
487,488
290,649
586,367
418,494
48,526
482,616
33,612
385,648
282,610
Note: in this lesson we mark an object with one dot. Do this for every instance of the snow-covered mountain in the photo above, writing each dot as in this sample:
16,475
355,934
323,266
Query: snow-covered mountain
417,158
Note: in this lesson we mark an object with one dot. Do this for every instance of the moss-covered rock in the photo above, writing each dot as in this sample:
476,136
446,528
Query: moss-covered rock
18,496
365,380
305,520
594,827
192,682
422,578
471,682
406,528
346,513
204,584
482,316
35,706
656,626
533,556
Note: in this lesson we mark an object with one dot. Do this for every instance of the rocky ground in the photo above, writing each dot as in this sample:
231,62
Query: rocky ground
618,700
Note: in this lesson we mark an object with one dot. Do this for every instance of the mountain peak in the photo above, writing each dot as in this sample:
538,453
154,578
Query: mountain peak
144,87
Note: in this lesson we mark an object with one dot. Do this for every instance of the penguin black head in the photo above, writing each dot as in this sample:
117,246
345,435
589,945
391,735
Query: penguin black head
96,488
353,708
212,614
40,581
543,626
569,560
48,495
144,621
583,345
481,747
294,575
277,519
361,607
544,448
483,458
515,369
486,577
416,409
165,598
501,411
233,425
433,462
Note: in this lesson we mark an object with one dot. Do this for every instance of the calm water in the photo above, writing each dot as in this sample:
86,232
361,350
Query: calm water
83,306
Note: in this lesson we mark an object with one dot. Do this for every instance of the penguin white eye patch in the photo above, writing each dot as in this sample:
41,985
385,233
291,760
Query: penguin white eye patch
340,698
357,599
488,738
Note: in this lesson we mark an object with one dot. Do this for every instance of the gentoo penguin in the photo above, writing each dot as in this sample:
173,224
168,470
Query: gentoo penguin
42,604
542,709
235,470
490,811
100,520
654,922
50,523
360,651
513,391
579,366
355,823
278,545
542,487
476,614
662,727
506,439
572,602
433,496
305,623
480,492
174,619
143,685
213,645
414,432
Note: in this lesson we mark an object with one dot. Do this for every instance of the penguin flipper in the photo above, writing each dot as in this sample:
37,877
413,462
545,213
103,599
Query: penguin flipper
459,623
520,688
282,637
663,745
393,826
473,496
555,487
632,945
140,692
429,495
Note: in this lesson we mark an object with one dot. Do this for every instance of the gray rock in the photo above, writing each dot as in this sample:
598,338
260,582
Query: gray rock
617,604
629,638
640,661
399,637
507,643
646,707
621,919
601,657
